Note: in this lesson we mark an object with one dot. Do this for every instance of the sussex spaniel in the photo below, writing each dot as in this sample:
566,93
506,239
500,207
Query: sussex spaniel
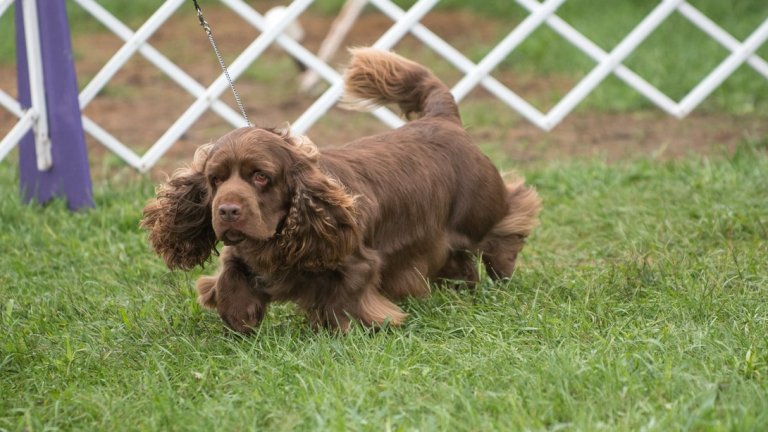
344,232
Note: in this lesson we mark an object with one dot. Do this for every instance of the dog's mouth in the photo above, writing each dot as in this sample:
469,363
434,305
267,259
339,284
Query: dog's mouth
232,237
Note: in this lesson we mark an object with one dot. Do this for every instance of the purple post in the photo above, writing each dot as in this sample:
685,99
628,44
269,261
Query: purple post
70,175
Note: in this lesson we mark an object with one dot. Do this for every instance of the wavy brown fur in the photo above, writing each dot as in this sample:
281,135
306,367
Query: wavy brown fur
345,232
377,78
179,217
320,229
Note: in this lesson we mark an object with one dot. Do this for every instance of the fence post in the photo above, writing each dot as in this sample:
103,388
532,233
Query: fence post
68,173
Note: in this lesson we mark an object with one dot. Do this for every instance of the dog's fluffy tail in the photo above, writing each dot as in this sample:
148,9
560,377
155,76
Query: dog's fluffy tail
374,78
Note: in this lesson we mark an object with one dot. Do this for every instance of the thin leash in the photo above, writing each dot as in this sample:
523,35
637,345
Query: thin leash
208,31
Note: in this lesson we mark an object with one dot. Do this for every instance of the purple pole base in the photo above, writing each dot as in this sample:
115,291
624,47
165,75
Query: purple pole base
70,175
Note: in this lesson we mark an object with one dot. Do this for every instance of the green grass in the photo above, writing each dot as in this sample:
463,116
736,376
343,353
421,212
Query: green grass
640,303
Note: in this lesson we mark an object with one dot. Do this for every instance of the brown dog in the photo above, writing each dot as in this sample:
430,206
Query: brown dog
347,231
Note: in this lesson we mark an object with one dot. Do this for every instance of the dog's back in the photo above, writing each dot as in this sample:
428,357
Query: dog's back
446,200
430,159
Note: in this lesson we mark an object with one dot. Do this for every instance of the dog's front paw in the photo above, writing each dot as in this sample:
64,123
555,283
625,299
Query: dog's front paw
206,291
242,314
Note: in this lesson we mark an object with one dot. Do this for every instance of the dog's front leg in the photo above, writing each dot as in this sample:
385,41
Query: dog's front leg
355,295
234,294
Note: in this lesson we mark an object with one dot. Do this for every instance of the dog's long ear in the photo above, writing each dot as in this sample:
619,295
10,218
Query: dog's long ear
321,227
179,217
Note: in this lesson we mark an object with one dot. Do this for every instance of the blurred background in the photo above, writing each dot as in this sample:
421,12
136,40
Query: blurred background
614,121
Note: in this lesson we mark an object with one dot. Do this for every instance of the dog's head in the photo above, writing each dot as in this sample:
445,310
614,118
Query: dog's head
259,188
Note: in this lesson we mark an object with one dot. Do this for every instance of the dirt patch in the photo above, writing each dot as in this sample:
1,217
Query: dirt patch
630,135
140,103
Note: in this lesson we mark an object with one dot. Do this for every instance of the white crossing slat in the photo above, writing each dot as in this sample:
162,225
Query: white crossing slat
386,41
502,50
112,143
221,84
4,5
302,54
725,69
25,123
10,104
609,63
599,55
126,51
160,61
721,36
462,63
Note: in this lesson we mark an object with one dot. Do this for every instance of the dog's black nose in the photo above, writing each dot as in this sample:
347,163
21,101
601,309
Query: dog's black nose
229,212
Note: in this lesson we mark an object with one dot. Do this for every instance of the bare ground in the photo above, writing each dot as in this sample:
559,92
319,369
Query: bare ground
140,103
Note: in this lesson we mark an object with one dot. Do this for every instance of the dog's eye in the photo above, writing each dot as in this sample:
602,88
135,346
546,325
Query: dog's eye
216,181
260,178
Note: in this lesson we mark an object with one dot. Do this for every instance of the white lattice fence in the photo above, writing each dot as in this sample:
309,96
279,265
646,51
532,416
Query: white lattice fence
404,22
